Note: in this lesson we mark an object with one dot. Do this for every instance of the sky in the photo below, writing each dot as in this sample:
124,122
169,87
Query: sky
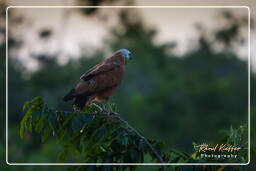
85,34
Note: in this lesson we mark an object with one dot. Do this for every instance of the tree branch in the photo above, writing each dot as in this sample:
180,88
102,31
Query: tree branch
159,157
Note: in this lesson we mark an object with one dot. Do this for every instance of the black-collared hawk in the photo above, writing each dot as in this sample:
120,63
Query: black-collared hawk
100,82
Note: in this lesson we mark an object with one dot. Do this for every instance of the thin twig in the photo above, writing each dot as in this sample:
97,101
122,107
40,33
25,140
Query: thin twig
159,157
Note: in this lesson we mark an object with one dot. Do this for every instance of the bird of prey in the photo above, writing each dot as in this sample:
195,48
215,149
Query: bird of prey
100,82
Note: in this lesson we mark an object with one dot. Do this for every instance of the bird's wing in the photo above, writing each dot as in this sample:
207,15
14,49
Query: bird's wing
98,69
98,79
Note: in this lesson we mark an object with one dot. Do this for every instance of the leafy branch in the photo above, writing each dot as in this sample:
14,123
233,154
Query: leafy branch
91,136
159,157
88,135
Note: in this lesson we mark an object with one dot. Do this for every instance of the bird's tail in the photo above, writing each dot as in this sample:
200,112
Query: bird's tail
82,100
70,95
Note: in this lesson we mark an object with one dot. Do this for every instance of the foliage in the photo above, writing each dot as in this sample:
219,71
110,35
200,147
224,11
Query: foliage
88,135
175,99
235,138
91,136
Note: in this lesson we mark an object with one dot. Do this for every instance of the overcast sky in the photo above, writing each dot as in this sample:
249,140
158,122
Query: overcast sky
174,24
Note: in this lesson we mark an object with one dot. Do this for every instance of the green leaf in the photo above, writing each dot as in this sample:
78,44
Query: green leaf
22,130
67,119
142,145
52,118
37,100
135,156
80,121
40,124
74,151
125,141
77,123
63,155
47,131
26,105
61,134
36,115
103,149
87,118
23,123
99,133
32,106
29,125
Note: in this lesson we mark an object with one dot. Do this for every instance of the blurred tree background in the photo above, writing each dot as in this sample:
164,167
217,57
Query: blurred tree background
170,98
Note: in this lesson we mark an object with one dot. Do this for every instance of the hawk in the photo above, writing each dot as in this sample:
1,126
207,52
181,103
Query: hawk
100,82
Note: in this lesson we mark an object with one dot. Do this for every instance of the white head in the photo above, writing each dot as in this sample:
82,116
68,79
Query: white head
126,54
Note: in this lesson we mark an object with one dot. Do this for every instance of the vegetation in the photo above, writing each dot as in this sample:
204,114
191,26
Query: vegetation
92,136
173,99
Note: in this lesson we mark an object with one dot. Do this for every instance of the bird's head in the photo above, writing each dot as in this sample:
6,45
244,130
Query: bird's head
126,54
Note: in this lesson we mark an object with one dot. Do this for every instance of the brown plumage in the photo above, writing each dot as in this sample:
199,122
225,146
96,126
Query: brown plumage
99,82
